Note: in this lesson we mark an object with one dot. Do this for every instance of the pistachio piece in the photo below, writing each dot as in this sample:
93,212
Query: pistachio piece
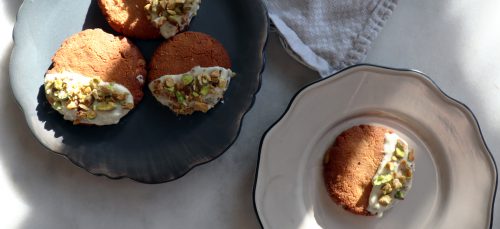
201,106
204,90
411,155
386,188
57,105
71,105
399,195
91,114
195,94
385,200
390,165
215,73
128,106
397,184
187,79
82,106
49,85
62,95
180,97
105,106
394,158
120,96
399,153
382,179
58,84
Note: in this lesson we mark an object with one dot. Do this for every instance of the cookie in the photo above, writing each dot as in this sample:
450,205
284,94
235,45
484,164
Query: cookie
368,169
190,73
129,18
95,78
186,51
171,16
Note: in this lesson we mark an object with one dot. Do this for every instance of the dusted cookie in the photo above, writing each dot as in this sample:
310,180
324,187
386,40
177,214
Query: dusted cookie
186,51
129,18
368,169
190,73
350,164
94,73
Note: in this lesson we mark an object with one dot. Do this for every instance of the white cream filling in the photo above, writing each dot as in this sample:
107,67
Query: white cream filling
212,98
390,143
74,81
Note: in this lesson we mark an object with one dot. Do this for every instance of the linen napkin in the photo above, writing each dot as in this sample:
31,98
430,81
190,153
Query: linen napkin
329,35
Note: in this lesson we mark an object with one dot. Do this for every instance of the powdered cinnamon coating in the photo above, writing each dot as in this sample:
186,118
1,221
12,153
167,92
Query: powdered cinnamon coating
129,18
185,51
94,52
350,164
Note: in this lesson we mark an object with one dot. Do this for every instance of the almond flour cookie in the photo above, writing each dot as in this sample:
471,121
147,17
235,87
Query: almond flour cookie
129,18
96,78
368,169
171,16
189,73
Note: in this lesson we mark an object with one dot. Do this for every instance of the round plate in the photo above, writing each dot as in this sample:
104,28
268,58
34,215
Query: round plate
455,178
150,144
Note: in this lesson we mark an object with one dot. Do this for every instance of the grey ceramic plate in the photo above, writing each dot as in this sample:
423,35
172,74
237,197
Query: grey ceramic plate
455,178
150,144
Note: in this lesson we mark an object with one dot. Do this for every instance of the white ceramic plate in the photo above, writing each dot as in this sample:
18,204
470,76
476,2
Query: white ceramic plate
455,179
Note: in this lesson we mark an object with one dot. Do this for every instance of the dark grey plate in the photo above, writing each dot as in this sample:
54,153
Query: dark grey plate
150,144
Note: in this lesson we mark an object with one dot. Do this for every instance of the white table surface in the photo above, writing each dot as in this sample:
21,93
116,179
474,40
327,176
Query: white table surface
455,42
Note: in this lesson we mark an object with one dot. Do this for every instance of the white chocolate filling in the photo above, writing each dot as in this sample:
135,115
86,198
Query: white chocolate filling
75,96
197,90
394,176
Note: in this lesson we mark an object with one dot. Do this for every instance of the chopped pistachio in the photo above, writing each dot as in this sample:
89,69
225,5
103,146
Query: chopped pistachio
48,85
386,188
222,83
394,158
83,107
204,90
187,79
128,106
180,97
399,195
71,105
390,166
105,106
58,84
215,73
400,153
397,184
91,114
382,179
201,106
195,94
411,155
57,105
385,200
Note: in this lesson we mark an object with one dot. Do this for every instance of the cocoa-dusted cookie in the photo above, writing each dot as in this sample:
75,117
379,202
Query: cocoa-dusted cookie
129,18
190,72
367,169
95,78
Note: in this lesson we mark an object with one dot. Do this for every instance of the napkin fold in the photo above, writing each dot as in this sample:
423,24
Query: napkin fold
329,35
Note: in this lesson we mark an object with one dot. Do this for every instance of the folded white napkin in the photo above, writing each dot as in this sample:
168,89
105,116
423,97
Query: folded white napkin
329,35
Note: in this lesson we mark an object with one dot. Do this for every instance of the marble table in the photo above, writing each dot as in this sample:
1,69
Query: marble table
455,42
